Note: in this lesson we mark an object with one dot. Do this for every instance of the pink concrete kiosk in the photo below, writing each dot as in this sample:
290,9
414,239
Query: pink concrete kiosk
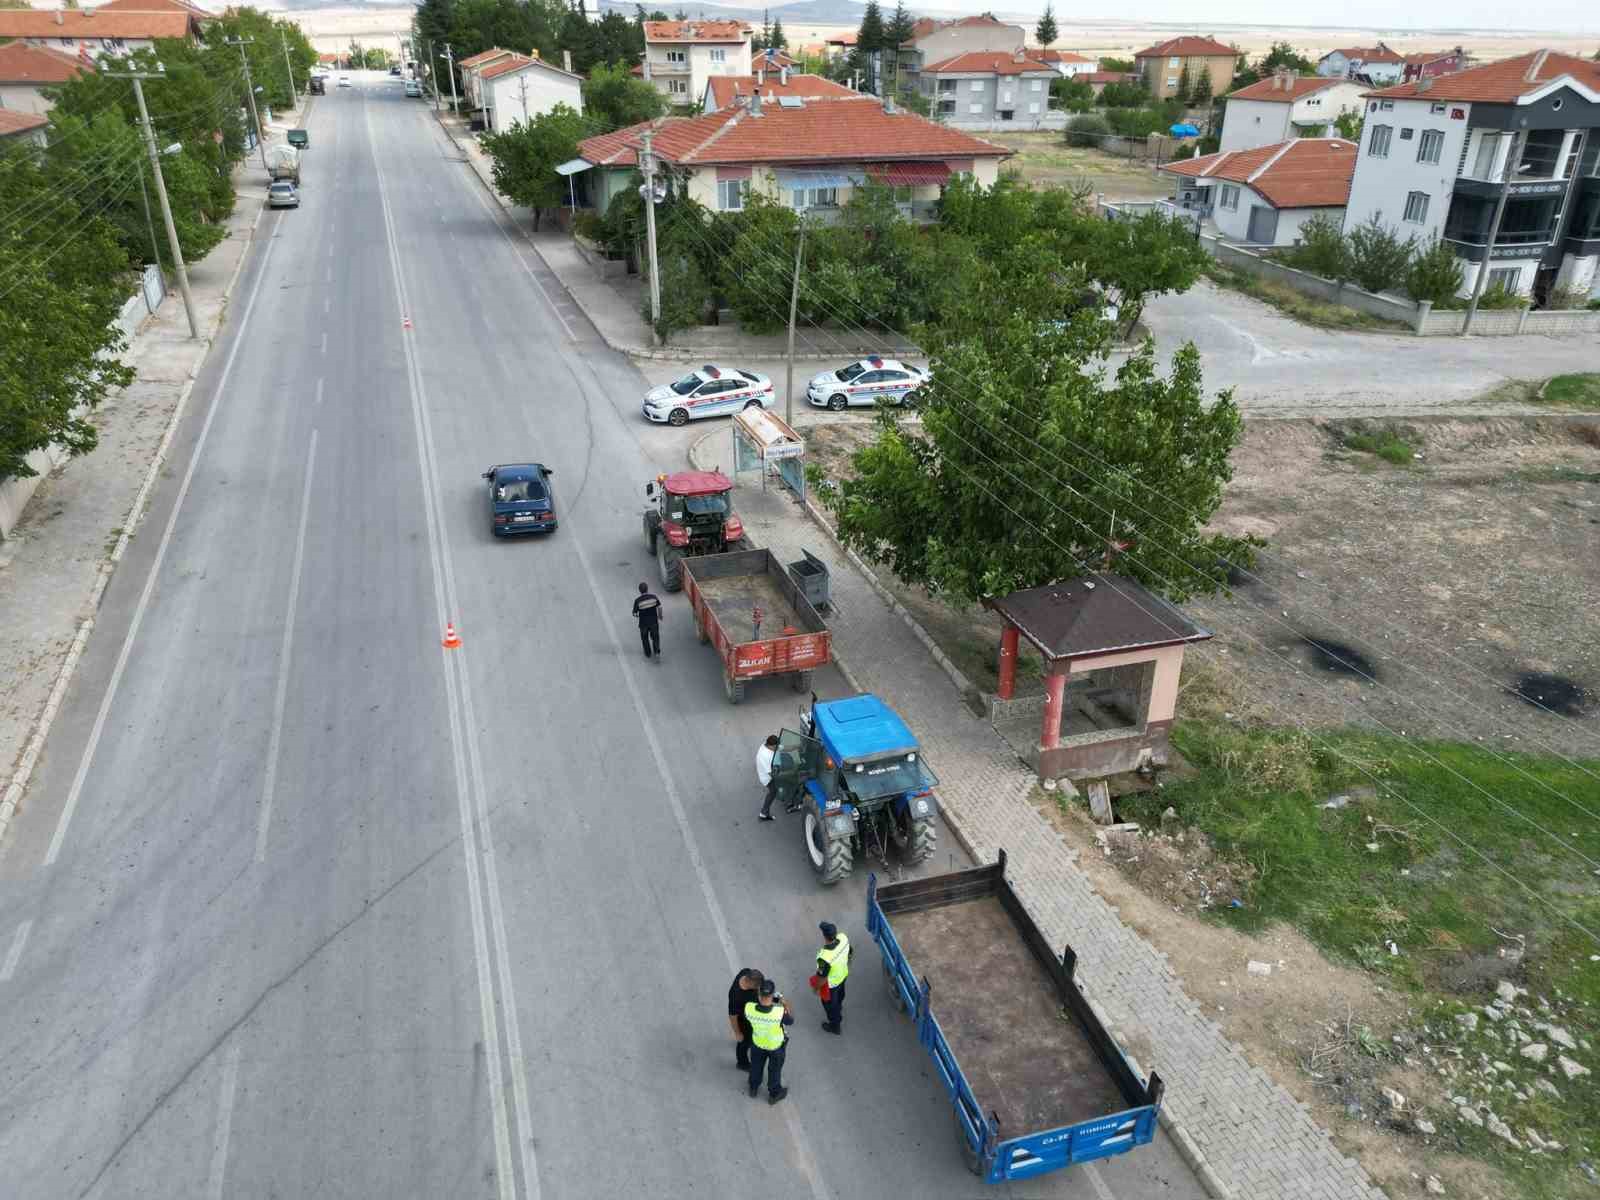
1112,654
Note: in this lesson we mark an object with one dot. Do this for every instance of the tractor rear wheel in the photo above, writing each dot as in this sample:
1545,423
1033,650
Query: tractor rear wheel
920,847
830,859
670,563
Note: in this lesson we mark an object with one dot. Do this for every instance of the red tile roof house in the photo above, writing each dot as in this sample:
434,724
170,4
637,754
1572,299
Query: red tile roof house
679,56
94,32
22,127
1163,64
1285,105
1065,62
25,71
723,91
1437,155
1262,196
984,88
807,155
1371,64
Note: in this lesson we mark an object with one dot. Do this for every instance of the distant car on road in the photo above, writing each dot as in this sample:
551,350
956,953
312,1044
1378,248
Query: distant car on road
521,499
865,382
413,88
344,81
712,391
395,71
283,194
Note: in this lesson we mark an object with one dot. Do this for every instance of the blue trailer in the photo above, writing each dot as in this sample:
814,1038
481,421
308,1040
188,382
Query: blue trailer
1044,1085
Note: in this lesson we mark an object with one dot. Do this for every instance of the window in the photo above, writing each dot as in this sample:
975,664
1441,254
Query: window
975,86
1378,145
1033,107
1007,114
1385,105
731,194
1174,61
719,56
1431,146
1034,85
678,57
948,85
1406,134
677,87
974,108
816,198
1505,278
1416,207
1436,109
1230,198
1172,81
947,108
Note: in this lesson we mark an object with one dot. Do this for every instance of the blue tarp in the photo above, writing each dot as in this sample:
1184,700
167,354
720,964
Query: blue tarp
1185,130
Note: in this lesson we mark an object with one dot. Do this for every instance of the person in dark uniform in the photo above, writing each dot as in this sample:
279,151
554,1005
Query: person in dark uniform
648,610
767,1017
746,987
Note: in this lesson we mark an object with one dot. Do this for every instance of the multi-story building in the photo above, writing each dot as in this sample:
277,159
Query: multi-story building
1439,154
26,71
985,86
1163,65
519,87
1264,195
1285,106
679,56
1374,64
938,41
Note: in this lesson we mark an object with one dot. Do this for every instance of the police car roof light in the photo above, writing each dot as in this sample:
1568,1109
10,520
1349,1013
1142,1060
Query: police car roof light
712,371
875,361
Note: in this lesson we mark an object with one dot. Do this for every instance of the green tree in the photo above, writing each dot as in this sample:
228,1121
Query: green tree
1435,274
60,291
1045,31
778,39
1185,84
525,156
1125,95
1087,131
1349,123
1244,73
1201,94
1282,54
1123,66
868,51
1072,95
762,39
1133,261
1378,255
1323,249
614,99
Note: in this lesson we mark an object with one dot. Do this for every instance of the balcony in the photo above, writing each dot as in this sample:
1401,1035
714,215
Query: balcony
1583,235
1539,170
1527,227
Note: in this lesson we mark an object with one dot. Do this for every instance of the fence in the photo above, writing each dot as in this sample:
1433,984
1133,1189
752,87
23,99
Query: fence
15,493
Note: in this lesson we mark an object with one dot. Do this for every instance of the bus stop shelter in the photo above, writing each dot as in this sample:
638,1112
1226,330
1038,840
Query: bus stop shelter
765,442
1111,656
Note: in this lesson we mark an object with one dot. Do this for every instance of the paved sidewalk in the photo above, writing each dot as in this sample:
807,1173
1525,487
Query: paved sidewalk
613,305
54,569
1252,1134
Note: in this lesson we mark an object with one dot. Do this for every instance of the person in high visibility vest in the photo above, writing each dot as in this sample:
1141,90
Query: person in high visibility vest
833,968
769,1042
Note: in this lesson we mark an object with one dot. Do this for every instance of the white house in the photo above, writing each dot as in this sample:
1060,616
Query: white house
1375,64
518,88
16,127
472,74
1285,106
1066,63
1262,196
25,71
1439,153
983,88
938,41
727,91
89,33
679,56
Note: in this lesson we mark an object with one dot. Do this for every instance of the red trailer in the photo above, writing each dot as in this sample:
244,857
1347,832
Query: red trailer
748,607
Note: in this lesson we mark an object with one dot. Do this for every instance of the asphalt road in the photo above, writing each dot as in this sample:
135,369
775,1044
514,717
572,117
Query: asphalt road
303,905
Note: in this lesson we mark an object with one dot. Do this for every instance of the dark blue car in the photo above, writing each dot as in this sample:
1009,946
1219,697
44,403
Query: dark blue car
521,499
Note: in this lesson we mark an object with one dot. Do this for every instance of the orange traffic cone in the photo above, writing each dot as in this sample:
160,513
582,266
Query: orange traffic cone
452,641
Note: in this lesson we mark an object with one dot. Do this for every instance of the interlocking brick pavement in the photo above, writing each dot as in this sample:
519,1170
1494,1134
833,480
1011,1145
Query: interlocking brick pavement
1259,1140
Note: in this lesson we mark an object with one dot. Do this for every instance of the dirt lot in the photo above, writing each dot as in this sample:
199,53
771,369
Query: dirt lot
1043,159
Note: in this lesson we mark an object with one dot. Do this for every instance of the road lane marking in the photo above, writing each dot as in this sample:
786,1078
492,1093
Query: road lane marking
324,341
76,791
319,390
1101,1190
14,955
505,1168
285,658
327,303
219,1148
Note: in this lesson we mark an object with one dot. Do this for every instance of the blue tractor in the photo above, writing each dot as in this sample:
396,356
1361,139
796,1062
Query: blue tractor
857,775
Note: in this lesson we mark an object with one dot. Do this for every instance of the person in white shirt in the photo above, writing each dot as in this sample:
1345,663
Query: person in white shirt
764,756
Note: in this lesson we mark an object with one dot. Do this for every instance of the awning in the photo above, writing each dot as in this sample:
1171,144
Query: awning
573,165
822,177
911,174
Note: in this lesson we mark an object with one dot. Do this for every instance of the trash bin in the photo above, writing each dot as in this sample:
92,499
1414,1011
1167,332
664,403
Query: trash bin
810,575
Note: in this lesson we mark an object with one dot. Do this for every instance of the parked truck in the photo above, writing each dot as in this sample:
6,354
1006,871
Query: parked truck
751,609
1036,1081
283,162
857,774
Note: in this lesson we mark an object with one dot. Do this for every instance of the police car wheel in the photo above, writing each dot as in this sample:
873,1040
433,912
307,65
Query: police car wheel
837,403
749,404
678,418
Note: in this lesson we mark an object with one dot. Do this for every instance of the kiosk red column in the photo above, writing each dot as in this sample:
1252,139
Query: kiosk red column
1055,686
1008,662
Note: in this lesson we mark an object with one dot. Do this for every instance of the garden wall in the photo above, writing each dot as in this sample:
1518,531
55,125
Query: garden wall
1389,308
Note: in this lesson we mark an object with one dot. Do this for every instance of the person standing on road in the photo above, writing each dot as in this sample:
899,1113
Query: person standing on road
746,987
764,756
648,610
833,968
767,1017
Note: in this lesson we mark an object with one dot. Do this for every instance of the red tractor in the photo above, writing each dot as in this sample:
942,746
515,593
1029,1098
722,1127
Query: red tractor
692,515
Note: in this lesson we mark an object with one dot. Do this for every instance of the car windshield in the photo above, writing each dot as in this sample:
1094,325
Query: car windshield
890,777
846,374
513,491
687,384
706,506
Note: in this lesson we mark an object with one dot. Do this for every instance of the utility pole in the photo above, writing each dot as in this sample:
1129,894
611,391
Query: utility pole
287,65
647,165
161,191
450,64
794,304
250,90
144,193
1494,229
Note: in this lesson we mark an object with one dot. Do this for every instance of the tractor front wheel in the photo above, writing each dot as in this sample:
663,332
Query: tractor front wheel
670,562
831,860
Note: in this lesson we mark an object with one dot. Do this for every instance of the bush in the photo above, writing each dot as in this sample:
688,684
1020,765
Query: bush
590,226
1089,130
1138,122
1323,250
1378,258
1499,297
1567,299
685,294
1434,275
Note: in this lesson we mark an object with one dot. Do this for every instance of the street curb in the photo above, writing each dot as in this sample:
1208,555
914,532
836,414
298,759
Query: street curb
23,775
638,350
1188,1149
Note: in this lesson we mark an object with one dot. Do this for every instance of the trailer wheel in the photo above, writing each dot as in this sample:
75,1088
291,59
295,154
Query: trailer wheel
670,563
734,688
970,1158
700,628
894,990
801,681
830,860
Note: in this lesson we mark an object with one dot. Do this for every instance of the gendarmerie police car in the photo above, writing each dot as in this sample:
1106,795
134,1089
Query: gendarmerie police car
865,382
709,392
